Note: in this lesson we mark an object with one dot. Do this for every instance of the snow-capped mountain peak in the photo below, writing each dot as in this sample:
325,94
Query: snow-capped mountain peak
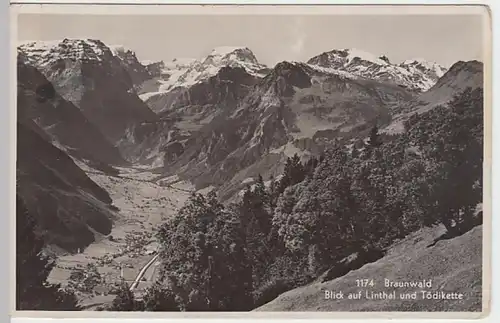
67,54
228,54
346,57
354,53
224,50
73,49
186,72
416,74
437,69
414,60
180,63
46,52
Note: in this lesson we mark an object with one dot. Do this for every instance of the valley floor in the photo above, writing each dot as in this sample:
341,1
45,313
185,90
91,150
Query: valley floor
453,265
142,205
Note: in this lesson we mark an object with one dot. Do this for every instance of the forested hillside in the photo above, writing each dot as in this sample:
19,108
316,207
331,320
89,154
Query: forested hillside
326,216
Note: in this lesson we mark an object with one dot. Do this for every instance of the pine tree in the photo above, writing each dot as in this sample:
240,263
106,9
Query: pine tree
297,172
260,191
32,269
273,196
285,180
293,173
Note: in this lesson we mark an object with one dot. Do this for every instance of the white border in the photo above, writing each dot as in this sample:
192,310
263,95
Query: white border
292,9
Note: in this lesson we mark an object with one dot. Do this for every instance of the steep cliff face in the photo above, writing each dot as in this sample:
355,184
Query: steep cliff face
184,111
226,87
89,75
38,101
154,69
137,71
70,208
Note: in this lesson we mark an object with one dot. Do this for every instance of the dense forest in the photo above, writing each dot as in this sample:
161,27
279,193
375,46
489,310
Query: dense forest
331,214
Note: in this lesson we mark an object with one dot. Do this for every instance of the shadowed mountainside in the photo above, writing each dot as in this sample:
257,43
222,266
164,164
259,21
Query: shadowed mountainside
69,207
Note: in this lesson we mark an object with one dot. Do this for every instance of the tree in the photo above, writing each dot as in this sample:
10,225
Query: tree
450,142
410,196
377,188
204,256
273,192
293,173
282,218
260,191
256,207
124,300
346,196
159,298
230,265
254,212
33,292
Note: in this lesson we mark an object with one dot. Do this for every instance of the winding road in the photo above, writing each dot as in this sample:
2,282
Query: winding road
142,272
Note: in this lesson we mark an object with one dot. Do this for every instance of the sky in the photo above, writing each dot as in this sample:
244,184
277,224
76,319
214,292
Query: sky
444,39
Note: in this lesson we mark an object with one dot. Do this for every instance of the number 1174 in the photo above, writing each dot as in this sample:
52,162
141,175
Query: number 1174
364,282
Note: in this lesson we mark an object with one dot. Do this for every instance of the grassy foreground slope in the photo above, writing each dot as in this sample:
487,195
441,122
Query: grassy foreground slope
453,265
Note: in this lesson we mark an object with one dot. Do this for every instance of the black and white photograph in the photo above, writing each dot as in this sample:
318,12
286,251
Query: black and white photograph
252,159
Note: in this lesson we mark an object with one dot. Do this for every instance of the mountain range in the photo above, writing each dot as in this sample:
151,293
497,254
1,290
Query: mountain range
218,121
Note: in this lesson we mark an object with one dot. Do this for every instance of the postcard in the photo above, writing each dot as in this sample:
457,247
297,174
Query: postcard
251,161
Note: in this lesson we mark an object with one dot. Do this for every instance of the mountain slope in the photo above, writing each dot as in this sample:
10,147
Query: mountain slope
295,108
452,265
88,74
460,76
68,205
38,101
